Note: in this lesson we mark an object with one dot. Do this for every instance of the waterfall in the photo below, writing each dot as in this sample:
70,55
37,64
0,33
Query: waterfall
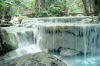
24,37
38,40
21,39
35,32
72,37
53,38
63,37
85,42
76,38
25,41
95,44
19,42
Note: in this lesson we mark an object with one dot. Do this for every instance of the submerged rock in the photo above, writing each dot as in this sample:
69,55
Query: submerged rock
38,59
68,52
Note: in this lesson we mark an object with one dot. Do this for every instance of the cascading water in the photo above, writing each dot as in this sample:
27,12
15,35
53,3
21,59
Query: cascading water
25,41
24,38
78,43
53,38
79,38
85,42
21,39
91,57
18,39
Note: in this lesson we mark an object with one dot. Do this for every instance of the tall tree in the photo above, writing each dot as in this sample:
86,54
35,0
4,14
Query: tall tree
96,7
86,9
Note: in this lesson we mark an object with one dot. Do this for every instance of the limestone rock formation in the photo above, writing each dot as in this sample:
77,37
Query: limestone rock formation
17,20
79,37
38,59
71,19
30,22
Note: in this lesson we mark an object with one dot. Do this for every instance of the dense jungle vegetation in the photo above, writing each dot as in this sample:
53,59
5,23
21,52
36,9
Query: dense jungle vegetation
48,8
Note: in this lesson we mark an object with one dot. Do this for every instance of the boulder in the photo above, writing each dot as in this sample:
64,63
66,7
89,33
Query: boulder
5,43
20,52
38,59
68,52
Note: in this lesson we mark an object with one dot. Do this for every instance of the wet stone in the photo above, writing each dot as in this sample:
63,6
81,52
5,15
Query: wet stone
37,59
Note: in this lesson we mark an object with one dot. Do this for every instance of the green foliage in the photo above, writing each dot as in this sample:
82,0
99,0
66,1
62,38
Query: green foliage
13,10
47,7
75,6
4,8
58,8
42,8
3,4
31,3
54,10
14,7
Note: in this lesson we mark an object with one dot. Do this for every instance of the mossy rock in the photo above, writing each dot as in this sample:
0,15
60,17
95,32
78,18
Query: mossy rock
38,59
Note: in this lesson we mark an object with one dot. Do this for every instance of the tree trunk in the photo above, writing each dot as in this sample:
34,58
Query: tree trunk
66,8
86,7
96,7
3,14
39,3
36,6
46,3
